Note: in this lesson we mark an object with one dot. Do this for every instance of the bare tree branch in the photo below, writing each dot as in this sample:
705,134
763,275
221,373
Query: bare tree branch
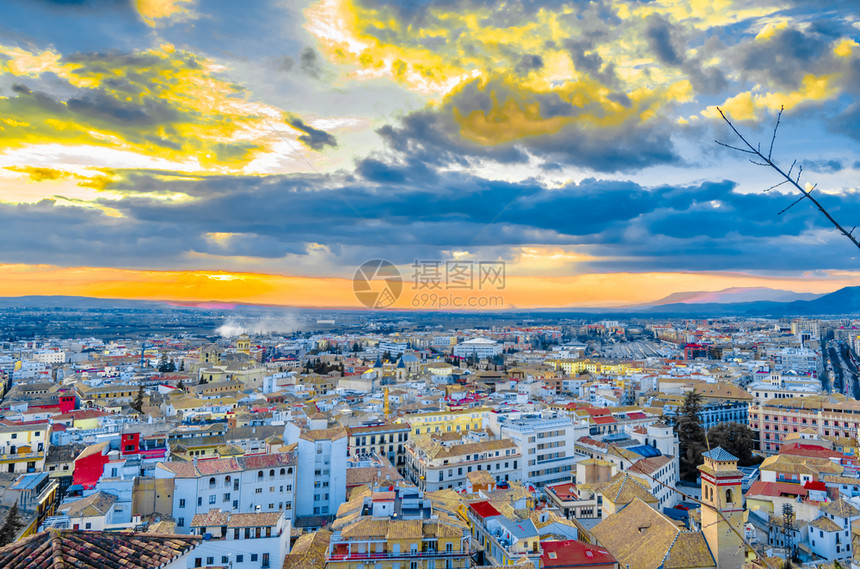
775,186
797,201
775,128
768,161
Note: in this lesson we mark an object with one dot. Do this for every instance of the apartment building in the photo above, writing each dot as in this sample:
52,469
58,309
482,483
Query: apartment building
827,415
447,421
241,541
321,448
244,484
478,348
435,464
383,439
545,441
397,527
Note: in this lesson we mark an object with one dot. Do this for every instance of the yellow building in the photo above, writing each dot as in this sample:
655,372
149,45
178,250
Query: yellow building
447,421
376,528
576,367
23,447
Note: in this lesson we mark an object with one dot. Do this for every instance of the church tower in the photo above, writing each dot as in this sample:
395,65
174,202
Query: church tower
243,344
721,492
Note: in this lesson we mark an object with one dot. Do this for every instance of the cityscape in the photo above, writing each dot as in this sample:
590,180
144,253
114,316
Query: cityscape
429,284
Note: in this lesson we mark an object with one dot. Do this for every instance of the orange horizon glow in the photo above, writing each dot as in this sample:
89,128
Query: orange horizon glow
594,290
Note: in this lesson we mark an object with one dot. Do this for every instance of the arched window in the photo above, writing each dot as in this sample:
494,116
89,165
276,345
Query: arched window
290,470
212,483
729,496
227,480
282,472
272,473
260,475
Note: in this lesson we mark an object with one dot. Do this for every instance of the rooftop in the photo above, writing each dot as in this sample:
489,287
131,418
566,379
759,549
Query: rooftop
74,549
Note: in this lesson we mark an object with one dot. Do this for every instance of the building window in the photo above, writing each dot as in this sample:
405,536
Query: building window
182,502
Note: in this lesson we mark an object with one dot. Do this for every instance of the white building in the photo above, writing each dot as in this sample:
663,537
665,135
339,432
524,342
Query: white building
546,442
241,541
830,534
393,347
241,485
478,347
321,451
436,465
50,357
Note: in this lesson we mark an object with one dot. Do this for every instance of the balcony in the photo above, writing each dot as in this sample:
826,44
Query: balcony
21,456
402,555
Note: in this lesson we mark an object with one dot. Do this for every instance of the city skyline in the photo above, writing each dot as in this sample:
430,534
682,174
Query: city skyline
206,151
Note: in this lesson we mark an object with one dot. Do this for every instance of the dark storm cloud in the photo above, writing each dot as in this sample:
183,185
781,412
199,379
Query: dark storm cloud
313,138
786,57
529,62
667,42
310,62
658,32
395,210
433,136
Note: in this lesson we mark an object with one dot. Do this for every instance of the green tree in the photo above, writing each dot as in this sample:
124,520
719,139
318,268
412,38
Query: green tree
163,364
737,439
11,527
137,404
180,386
691,436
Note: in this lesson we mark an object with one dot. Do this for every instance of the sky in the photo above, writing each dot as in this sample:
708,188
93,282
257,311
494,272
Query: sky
261,152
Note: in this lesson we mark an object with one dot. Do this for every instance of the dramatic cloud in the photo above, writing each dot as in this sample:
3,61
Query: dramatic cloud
302,138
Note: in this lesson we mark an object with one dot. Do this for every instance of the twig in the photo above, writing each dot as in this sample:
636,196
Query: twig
773,138
768,161
776,185
800,199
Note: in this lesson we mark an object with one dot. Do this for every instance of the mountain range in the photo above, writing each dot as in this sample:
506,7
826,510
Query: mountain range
727,302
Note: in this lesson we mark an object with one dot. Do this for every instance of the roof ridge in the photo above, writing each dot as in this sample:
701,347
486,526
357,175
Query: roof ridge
669,549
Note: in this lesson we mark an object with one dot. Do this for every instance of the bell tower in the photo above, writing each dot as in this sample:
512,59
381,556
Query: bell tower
721,494
243,344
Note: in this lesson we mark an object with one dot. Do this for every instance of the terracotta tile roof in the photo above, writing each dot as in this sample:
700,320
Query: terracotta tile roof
643,538
775,489
825,524
840,508
404,529
624,489
308,551
184,469
690,549
214,517
97,504
571,553
261,519
74,549
651,465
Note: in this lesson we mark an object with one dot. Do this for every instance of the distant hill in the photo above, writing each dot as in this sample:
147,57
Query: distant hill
77,302
843,301
732,296
721,303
